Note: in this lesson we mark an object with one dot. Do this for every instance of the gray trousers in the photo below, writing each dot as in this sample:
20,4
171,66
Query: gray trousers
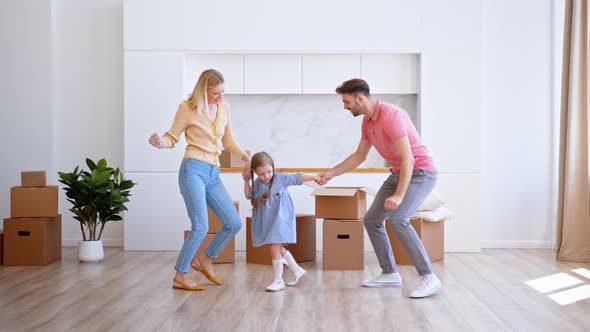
421,184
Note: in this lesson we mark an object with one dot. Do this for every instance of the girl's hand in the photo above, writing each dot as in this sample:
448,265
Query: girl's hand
155,140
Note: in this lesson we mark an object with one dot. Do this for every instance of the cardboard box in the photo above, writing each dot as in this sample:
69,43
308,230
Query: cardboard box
227,255
343,245
1,246
226,159
32,241
304,250
31,202
33,179
432,235
341,202
214,222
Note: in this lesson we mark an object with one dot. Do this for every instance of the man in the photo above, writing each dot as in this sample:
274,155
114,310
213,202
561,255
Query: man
390,130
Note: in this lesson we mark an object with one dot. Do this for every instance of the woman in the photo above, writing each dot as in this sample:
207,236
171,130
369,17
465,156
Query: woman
205,120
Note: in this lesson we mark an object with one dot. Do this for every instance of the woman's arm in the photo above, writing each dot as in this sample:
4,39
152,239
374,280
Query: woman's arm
247,189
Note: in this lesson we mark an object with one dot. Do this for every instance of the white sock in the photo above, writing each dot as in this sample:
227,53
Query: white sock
277,264
291,263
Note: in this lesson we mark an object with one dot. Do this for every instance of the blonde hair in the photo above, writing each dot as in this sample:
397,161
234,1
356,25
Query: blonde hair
208,79
260,159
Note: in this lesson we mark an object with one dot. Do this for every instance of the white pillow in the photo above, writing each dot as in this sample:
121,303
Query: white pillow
440,214
432,202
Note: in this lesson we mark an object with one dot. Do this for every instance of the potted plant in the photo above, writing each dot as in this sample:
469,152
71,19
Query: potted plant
98,196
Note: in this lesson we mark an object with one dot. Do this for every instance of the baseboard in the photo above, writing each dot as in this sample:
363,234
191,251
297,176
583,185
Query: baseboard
516,244
105,242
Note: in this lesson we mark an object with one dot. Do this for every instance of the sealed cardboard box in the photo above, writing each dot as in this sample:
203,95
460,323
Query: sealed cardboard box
32,241
29,202
304,250
226,159
432,235
341,202
343,245
214,222
33,179
227,255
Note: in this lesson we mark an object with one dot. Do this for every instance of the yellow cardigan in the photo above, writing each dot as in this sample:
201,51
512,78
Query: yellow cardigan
203,135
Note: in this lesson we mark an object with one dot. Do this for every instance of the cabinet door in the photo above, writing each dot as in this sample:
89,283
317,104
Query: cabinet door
272,74
157,216
323,73
391,73
150,105
230,65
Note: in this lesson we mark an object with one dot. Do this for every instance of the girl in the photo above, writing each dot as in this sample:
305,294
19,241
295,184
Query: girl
273,215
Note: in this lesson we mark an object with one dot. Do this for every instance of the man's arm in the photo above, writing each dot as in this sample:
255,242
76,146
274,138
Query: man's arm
349,163
403,148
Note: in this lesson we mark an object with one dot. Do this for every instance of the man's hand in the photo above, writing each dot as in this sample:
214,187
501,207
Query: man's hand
324,178
392,202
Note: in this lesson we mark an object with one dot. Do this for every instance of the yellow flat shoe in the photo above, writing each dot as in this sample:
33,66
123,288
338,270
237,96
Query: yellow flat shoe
206,273
181,285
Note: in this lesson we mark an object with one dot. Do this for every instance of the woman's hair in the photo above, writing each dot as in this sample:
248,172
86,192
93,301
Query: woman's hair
210,78
354,87
257,160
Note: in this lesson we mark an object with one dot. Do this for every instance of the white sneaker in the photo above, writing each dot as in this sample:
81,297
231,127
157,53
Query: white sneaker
297,275
384,280
429,285
276,285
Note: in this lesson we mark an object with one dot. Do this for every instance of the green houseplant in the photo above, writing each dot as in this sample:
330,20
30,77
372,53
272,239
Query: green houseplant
98,196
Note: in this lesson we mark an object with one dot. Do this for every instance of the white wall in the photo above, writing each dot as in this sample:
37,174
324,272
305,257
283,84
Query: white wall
26,128
517,152
516,79
447,35
88,99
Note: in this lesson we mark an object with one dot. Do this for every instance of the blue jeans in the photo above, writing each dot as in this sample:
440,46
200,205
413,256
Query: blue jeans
200,187
421,184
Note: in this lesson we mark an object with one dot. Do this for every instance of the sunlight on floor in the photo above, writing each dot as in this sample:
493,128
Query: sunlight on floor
571,295
563,280
553,282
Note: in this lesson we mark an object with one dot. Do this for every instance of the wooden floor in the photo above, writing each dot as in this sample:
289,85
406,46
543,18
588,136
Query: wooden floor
131,291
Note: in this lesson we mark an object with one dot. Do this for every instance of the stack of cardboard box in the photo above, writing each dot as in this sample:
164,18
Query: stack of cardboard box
342,209
32,234
303,250
228,254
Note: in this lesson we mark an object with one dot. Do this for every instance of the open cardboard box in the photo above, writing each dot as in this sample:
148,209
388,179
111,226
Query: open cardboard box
341,202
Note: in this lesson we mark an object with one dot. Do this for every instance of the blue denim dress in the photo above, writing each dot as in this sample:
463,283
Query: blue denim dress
274,220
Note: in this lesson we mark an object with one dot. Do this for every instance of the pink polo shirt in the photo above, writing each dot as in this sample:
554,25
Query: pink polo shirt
389,124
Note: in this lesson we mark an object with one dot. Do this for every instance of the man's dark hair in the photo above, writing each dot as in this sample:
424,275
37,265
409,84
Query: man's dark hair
354,86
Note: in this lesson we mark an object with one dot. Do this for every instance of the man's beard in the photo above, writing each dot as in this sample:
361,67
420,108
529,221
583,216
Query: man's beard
356,111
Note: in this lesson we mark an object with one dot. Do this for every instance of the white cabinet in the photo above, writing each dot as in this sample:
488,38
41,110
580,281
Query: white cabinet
391,73
157,216
462,195
230,65
272,74
322,73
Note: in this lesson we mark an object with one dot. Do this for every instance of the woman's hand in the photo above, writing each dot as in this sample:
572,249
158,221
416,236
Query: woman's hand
155,140
246,169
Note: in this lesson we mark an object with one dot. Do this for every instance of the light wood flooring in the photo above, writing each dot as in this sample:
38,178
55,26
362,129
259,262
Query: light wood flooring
131,291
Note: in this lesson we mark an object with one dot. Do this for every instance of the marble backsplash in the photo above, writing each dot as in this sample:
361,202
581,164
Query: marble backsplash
305,130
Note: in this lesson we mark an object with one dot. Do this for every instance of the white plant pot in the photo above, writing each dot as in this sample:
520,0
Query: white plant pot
90,251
